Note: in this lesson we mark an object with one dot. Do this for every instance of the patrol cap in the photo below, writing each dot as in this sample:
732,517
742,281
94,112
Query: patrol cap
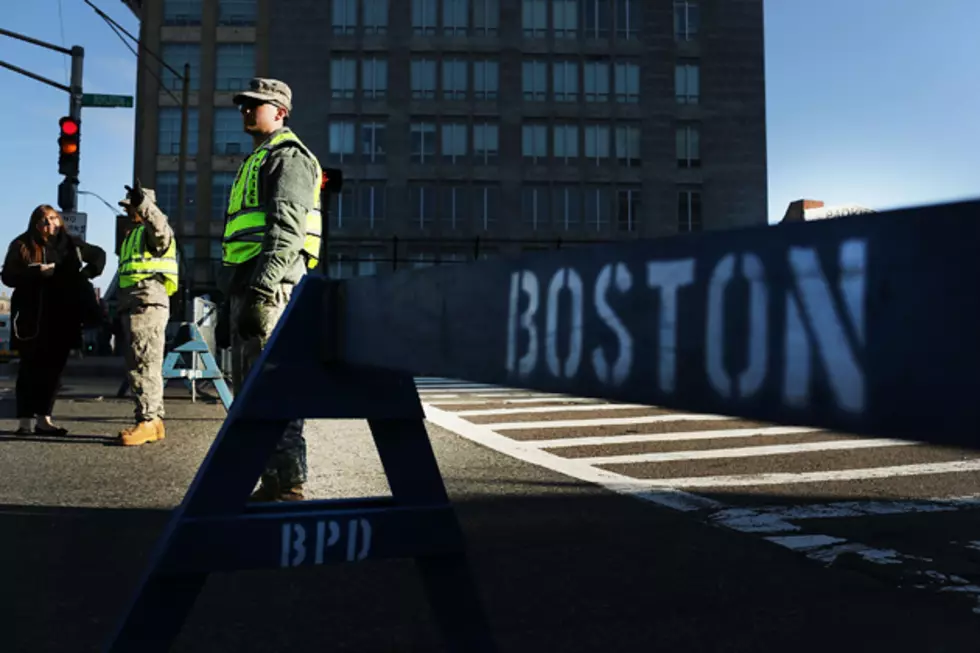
149,193
267,90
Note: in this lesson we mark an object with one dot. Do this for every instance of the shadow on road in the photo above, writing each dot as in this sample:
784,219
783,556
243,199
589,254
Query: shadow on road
562,569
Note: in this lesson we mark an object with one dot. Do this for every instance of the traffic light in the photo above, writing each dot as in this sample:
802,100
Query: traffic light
68,146
332,180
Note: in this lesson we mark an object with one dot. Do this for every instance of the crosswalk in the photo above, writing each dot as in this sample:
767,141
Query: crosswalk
765,479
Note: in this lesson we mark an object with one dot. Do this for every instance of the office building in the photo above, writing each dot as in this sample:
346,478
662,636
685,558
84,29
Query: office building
470,127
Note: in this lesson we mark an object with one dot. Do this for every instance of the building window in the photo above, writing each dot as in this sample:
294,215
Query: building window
535,19
175,55
627,19
567,207
486,205
597,19
454,209
342,207
688,147
424,17
565,17
535,80
486,79
371,204
344,16
689,210
168,131
597,143
486,17
166,191
534,143
454,17
182,12
423,79
627,82
597,207
423,203
534,207
343,78
373,142
486,143
628,145
423,142
341,265
341,141
566,143
453,142
627,209
596,81
374,78
234,66
687,20
375,16
565,81
229,137
221,183
236,12
454,79
687,83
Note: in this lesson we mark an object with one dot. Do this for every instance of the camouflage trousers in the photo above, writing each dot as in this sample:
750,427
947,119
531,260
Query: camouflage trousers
288,463
145,331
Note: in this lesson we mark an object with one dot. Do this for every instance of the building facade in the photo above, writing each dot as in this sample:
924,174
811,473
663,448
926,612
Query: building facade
469,128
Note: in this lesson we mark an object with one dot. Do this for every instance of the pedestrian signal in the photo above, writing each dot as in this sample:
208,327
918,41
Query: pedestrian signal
68,146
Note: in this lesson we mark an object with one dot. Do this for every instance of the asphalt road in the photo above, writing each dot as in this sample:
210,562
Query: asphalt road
563,564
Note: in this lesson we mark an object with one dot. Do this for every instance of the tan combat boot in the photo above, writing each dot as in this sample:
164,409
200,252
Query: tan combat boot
142,433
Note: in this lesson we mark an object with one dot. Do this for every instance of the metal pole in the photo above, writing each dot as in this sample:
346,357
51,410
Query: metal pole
182,172
75,111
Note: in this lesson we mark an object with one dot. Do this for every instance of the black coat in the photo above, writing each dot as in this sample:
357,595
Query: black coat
43,309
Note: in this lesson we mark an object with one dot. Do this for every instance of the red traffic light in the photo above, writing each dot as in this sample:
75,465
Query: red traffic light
68,126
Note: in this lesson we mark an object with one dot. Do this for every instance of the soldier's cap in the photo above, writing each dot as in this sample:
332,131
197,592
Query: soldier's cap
267,90
148,192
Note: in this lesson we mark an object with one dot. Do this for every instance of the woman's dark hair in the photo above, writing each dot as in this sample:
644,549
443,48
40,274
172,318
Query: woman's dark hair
32,241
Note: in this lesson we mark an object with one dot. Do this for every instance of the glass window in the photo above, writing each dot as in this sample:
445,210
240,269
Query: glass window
566,142
221,183
375,16
454,209
534,206
565,16
688,147
373,142
453,142
454,79
628,145
567,207
371,204
598,209
423,80
627,19
422,142
596,81
166,190
234,66
627,82
486,205
485,143
374,78
344,16
486,79
535,80
687,20
687,83
486,17
454,17
534,15
182,12
343,78
422,201
628,209
689,210
424,17
237,12
597,142
168,131
534,143
565,81
597,19
176,55
229,136
341,141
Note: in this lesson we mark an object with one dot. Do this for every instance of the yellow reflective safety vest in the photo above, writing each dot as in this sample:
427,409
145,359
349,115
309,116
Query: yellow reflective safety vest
137,264
245,218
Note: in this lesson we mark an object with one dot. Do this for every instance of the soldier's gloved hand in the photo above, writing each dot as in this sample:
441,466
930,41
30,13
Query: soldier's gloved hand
252,322
135,193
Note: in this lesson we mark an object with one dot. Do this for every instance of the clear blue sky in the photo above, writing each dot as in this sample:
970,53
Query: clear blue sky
869,101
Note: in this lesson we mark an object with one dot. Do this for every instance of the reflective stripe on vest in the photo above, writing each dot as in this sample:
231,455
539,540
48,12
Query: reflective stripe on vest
137,264
245,219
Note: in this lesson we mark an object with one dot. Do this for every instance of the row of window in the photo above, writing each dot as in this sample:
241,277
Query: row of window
446,142
190,12
461,206
561,18
566,19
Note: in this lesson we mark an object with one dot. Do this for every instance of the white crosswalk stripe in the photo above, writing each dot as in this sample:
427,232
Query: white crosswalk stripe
696,462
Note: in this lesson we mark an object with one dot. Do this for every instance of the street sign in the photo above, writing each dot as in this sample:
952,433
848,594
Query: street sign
75,223
98,100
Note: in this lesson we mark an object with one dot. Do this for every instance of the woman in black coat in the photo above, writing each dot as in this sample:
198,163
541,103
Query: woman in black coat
44,267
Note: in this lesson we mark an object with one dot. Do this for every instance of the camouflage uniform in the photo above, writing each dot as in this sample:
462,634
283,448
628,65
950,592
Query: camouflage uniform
263,284
144,310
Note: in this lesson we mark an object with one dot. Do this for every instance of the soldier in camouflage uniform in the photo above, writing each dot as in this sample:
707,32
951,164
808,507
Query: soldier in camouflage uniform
271,239
147,278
